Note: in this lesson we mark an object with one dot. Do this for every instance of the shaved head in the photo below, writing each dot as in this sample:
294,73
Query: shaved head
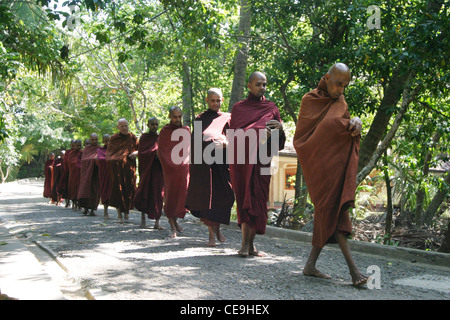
339,69
337,79
122,125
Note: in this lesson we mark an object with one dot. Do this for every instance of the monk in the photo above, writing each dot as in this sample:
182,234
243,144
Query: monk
74,173
150,193
57,174
121,160
176,171
63,186
327,144
48,176
209,195
250,179
103,175
89,189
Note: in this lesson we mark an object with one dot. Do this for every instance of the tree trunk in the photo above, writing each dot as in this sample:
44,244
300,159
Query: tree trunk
438,198
240,61
187,95
445,246
388,226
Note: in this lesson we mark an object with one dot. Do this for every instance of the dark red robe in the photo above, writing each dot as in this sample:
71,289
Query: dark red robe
210,196
103,176
63,186
250,186
57,174
122,170
150,193
176,175
89,189
48,181
74,174
328,155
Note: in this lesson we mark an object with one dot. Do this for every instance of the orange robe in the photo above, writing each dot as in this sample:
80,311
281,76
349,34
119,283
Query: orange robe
328,156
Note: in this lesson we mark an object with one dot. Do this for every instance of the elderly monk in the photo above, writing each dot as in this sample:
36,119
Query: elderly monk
250,179
89,189
74,173
121,159
175,167
48,176
57,174
150,193
209,195
103,175
327,145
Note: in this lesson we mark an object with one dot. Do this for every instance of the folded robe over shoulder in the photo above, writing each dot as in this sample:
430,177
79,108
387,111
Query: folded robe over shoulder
103,176
176,175
122,170
74,174
250,186
328,155
150,193
88,189
210,196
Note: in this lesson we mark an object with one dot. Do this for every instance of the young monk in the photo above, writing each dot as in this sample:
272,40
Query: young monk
150,193
74,173
210,196
250,182
327,145
176,173
103,175
48,176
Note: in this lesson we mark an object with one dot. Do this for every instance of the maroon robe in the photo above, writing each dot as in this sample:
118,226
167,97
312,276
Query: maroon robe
103,176
150,193
210,196
48,182
249,185
57,174
74,174
328,156
176,175
122,170
63,186
89,189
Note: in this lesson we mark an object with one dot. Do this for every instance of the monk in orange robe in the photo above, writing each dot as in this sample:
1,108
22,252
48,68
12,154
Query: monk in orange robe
121,159
327,144
89,189
150,193
74,173
250,178
210,196
48,176
174,157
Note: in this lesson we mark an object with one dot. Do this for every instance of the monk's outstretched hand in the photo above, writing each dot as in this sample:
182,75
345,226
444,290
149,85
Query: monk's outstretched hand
355,126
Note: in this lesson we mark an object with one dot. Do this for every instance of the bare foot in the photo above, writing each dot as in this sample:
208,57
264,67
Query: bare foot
157,226
358,279
256,253
312,271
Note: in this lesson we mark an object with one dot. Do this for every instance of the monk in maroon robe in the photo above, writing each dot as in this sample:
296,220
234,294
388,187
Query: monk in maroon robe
250,177
327,145
89,189
150,193
209,195
121,159
174,157
48,176
103,175
57,174
63,186
74,173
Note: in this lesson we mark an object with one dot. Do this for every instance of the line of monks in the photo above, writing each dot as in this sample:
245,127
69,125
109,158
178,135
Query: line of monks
326,141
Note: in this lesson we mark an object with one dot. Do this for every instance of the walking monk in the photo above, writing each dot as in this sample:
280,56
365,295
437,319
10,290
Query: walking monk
48,176
89,189
74,173
175,167
121,159
57,174
209,195
250,179
150,193
327,145
103,175
63,186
